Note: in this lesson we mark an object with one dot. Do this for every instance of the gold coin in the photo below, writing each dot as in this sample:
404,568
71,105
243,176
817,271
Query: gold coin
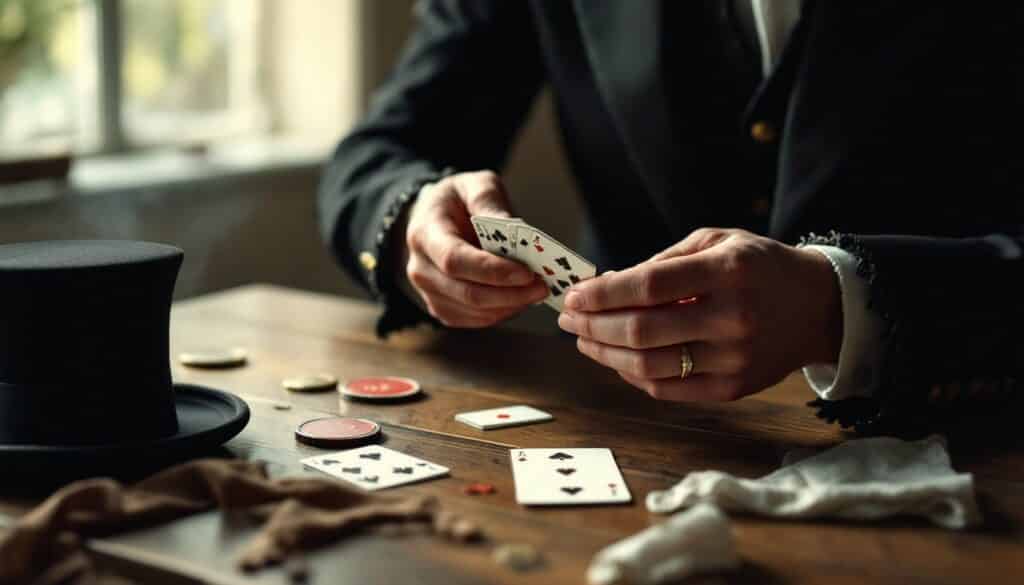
518,557
216,358
315,383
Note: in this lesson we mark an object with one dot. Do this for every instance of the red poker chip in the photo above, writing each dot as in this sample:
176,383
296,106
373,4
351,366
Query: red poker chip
337,431
478,489
381,388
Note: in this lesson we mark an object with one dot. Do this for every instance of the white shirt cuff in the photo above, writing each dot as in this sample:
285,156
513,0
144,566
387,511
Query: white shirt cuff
863,334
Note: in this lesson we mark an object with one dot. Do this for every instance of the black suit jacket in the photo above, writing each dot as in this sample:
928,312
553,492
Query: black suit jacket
898,132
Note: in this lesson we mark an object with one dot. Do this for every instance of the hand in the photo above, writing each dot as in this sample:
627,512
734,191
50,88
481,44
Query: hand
750,309
462,285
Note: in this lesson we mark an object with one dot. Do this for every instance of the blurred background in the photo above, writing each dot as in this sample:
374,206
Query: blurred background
205,123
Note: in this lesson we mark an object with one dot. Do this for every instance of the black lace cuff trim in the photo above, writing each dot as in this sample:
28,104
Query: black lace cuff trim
399,311
905,402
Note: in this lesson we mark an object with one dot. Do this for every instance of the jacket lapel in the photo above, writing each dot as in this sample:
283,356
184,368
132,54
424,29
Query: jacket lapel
623,45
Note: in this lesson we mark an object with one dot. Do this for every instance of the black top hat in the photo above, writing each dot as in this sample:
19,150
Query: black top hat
84,368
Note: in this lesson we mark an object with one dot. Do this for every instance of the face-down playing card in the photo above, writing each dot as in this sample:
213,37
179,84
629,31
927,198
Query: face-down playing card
554,262
557,477
374,467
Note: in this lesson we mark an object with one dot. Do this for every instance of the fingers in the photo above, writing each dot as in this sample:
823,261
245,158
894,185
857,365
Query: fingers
426,277
454,314
695,388
665,362
645,285
712,317
460,260
699,239
482,193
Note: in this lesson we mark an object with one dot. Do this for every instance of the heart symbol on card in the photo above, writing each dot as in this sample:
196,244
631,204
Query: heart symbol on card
572,490
503,415
566,470
548,271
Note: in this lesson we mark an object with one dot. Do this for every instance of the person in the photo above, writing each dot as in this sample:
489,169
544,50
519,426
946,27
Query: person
890,130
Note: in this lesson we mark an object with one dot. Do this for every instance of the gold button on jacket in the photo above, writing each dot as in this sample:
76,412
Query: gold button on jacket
763,132
368,260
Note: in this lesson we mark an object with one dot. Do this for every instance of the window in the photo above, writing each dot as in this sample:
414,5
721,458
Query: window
91,76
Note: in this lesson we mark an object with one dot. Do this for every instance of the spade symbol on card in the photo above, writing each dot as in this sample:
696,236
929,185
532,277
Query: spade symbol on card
405,470
566,470
548,271
421,464
563,284
523,242
352,469
330,462
575,279
555,291
503,250
560,456
374,456
563,262
522,456
370,479
572,490
498,236
613,487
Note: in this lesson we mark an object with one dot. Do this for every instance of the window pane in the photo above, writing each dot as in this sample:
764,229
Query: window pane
190,70
44,85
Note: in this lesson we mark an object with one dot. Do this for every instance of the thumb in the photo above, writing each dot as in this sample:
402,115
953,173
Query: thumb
483,193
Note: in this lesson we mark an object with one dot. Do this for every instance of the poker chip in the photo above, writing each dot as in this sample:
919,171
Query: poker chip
478,489
518,557
337,431
315,383
381,388
214,358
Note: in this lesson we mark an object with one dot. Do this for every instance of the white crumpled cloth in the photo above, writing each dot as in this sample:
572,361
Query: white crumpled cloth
861,479
694,541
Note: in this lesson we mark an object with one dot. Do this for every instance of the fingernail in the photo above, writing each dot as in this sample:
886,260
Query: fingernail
573,300
565,322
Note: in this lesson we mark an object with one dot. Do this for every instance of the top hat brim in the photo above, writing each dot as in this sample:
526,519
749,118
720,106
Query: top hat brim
207,418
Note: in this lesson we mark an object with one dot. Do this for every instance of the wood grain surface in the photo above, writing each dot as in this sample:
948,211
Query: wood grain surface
290,333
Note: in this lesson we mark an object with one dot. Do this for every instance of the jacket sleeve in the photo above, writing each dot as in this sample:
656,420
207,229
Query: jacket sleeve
953,309
454,101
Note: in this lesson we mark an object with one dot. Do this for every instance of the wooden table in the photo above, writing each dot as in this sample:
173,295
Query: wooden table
289,332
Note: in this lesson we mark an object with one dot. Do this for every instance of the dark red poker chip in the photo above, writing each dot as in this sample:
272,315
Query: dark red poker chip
337,431
381,388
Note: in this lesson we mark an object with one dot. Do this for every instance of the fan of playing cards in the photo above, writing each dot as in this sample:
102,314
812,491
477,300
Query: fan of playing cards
553,261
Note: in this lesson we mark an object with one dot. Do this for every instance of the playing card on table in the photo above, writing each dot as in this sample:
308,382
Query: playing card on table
553,261
506,416
497,235
374,467
550,477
